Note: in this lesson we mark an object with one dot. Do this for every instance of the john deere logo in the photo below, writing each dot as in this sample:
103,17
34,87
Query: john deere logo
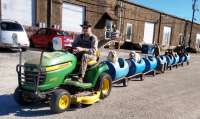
52,79
55,41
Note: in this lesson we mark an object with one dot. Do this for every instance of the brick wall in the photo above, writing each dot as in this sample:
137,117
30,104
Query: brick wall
196,29
177,27
95,9
41,11
131,13
137,16
56,12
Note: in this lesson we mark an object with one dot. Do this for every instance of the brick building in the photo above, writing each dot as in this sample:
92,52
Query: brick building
137,24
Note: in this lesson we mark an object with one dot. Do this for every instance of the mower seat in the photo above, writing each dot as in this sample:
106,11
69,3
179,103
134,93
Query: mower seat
94,62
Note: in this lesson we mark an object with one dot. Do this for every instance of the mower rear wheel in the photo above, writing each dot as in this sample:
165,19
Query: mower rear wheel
104,85
21,98
60,101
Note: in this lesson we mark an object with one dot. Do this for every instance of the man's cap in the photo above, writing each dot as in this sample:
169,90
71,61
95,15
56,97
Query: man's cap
86,24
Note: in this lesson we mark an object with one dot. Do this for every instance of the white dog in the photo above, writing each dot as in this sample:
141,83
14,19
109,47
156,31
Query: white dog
135,56
112,56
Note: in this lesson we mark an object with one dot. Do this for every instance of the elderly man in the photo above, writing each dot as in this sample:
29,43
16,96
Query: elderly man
86,45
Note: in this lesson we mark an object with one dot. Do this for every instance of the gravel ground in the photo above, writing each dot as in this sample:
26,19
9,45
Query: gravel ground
173,95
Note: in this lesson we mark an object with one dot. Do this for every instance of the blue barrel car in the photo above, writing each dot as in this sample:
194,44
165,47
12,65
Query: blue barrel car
182,58
162,61
170,60
151,63
118,70
187,57
135,67
176,61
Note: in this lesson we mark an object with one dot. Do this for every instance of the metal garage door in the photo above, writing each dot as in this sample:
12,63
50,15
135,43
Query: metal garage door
148,33
22,11
198,40
166,36
72,17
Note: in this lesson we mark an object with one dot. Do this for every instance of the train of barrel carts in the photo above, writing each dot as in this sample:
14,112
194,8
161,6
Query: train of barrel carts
52,78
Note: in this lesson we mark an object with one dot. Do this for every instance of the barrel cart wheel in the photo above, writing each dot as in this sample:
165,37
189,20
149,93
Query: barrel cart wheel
142,77
154,73
163,68
125,82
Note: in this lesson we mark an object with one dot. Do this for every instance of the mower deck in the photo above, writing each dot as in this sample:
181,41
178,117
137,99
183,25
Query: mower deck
88,99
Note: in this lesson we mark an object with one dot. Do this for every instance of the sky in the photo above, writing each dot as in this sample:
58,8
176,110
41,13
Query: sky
180,8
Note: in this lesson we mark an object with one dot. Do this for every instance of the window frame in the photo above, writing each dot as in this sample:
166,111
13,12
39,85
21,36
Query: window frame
131,35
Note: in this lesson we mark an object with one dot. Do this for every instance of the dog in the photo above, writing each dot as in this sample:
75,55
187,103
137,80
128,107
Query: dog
135,56
112,56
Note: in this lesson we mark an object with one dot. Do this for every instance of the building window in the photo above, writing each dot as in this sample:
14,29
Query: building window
129,32
72,17
148,33
181,42
108,29
166,36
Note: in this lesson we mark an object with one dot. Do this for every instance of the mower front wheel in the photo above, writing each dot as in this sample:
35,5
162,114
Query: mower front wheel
60,101
21,98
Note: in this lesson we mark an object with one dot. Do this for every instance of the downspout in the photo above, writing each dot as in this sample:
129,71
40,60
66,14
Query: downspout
121,5
123,8
120,14
185,34
159,27
49,13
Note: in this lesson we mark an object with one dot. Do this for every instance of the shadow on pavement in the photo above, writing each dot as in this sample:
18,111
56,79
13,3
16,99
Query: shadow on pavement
9,107
6,50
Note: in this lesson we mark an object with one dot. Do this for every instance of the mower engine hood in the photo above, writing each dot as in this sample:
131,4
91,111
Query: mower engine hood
53,58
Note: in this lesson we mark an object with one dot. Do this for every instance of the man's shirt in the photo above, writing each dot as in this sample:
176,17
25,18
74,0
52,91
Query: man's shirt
89,42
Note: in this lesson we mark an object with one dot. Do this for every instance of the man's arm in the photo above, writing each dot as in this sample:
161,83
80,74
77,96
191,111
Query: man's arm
94,45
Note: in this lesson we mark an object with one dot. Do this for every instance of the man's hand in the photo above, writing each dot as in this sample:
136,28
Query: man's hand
80,49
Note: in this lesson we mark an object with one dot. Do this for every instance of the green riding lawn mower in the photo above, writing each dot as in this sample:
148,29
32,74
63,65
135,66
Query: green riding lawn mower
52,78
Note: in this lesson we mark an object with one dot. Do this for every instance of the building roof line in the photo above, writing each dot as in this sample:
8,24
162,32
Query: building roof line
163,13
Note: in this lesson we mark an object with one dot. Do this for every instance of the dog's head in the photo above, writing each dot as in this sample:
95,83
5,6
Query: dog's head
112,56
132,54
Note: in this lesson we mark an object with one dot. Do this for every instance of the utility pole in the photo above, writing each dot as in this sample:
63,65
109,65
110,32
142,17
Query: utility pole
193,15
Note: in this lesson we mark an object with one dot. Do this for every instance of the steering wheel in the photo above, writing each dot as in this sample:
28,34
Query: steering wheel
72,50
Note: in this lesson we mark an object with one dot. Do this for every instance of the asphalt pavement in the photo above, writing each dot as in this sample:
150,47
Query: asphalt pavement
172,95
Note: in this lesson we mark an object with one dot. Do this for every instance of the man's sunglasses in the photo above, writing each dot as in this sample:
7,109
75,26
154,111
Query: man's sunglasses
85,27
